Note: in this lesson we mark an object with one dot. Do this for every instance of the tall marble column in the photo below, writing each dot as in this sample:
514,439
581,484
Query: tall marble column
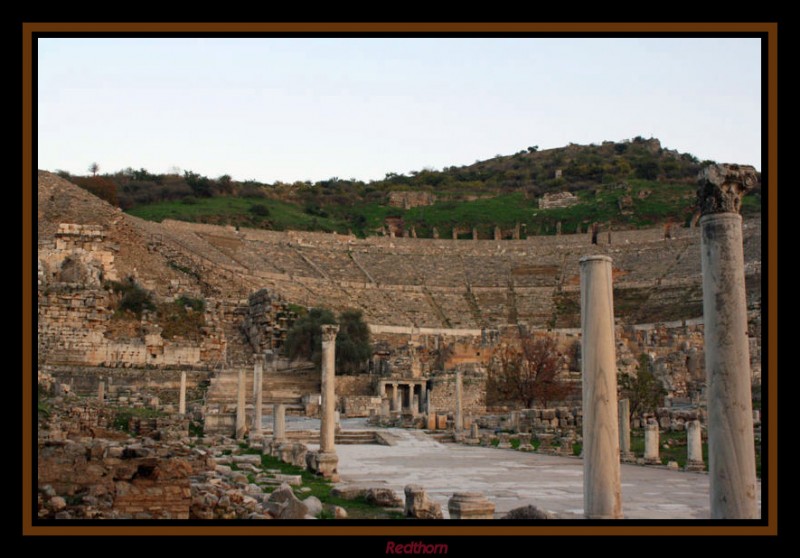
327,452
258,398
241,427
459,418
182,395
694,446
625,430
602,492
731,446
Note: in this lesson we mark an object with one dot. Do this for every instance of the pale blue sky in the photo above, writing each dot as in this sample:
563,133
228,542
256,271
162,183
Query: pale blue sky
308,109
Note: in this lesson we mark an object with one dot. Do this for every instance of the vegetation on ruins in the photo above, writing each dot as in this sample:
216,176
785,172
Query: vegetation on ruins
133,297
304,339
631,183
527,374
183,317
644,390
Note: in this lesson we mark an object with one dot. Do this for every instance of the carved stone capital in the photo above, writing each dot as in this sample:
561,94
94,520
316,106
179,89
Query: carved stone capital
329,333
721,187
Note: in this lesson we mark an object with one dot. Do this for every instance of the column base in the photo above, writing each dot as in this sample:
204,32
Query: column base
652,461
695,466
627,457
323,464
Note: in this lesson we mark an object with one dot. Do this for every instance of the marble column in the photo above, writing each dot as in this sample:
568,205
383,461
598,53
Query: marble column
101,390
731,445
328,460
241,427
258,398
694,446
625,430
396,404
182,395
459,417
602,492
651,443
278,424
415,404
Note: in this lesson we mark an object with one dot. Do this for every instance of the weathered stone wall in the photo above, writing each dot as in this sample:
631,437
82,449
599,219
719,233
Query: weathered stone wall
559,199
267,320
407,200
355,385
443,392
76,326
88,471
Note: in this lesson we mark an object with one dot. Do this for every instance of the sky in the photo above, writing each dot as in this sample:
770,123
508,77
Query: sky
291,109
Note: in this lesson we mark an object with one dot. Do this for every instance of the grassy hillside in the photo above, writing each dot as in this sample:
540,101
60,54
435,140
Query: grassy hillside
628,184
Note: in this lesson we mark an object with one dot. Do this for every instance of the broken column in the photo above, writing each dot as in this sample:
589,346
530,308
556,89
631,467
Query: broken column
241,428
470,505
459,418
694,446
625,430
328,460
258,398
101,391
182,395
602,492
731,453
651,443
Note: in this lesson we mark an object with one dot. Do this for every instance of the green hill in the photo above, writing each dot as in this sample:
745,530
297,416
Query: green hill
628,184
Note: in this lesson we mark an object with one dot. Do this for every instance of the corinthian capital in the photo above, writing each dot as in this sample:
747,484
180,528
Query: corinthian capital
329,333
721,187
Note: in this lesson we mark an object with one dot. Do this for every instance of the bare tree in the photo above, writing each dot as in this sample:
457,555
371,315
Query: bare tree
93,168
528,374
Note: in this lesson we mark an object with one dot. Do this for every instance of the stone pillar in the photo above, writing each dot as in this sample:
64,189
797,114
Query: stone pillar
328,460
396,403
258,398
435,232
602,492
279,423
505,442
651,443
694,446
182,396
415,404
470,505
328,423
625,430
241,428
101,390
731,453
428,401
459,418
497,234
525,442
386,407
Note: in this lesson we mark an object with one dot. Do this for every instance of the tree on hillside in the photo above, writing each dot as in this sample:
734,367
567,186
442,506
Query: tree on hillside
527,374
304,339
644,390
93,168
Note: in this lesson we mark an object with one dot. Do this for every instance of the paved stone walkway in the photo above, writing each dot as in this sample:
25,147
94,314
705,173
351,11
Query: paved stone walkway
512,478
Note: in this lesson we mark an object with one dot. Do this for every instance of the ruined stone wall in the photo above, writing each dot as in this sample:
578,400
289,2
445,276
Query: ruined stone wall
355,385
88,471
75,327
443,392
407,200
267,321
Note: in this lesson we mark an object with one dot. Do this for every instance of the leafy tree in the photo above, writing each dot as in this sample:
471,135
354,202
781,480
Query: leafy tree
304,339
528,374
644,390
93,168
353,347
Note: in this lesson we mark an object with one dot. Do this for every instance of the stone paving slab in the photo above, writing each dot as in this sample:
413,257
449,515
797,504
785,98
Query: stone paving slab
512,478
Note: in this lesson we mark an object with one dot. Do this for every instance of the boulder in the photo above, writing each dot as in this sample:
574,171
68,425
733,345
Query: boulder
419,506
383,497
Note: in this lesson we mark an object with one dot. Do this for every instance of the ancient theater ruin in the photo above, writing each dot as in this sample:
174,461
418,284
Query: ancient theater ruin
186,406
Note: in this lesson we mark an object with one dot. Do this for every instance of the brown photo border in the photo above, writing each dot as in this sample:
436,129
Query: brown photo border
770,29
